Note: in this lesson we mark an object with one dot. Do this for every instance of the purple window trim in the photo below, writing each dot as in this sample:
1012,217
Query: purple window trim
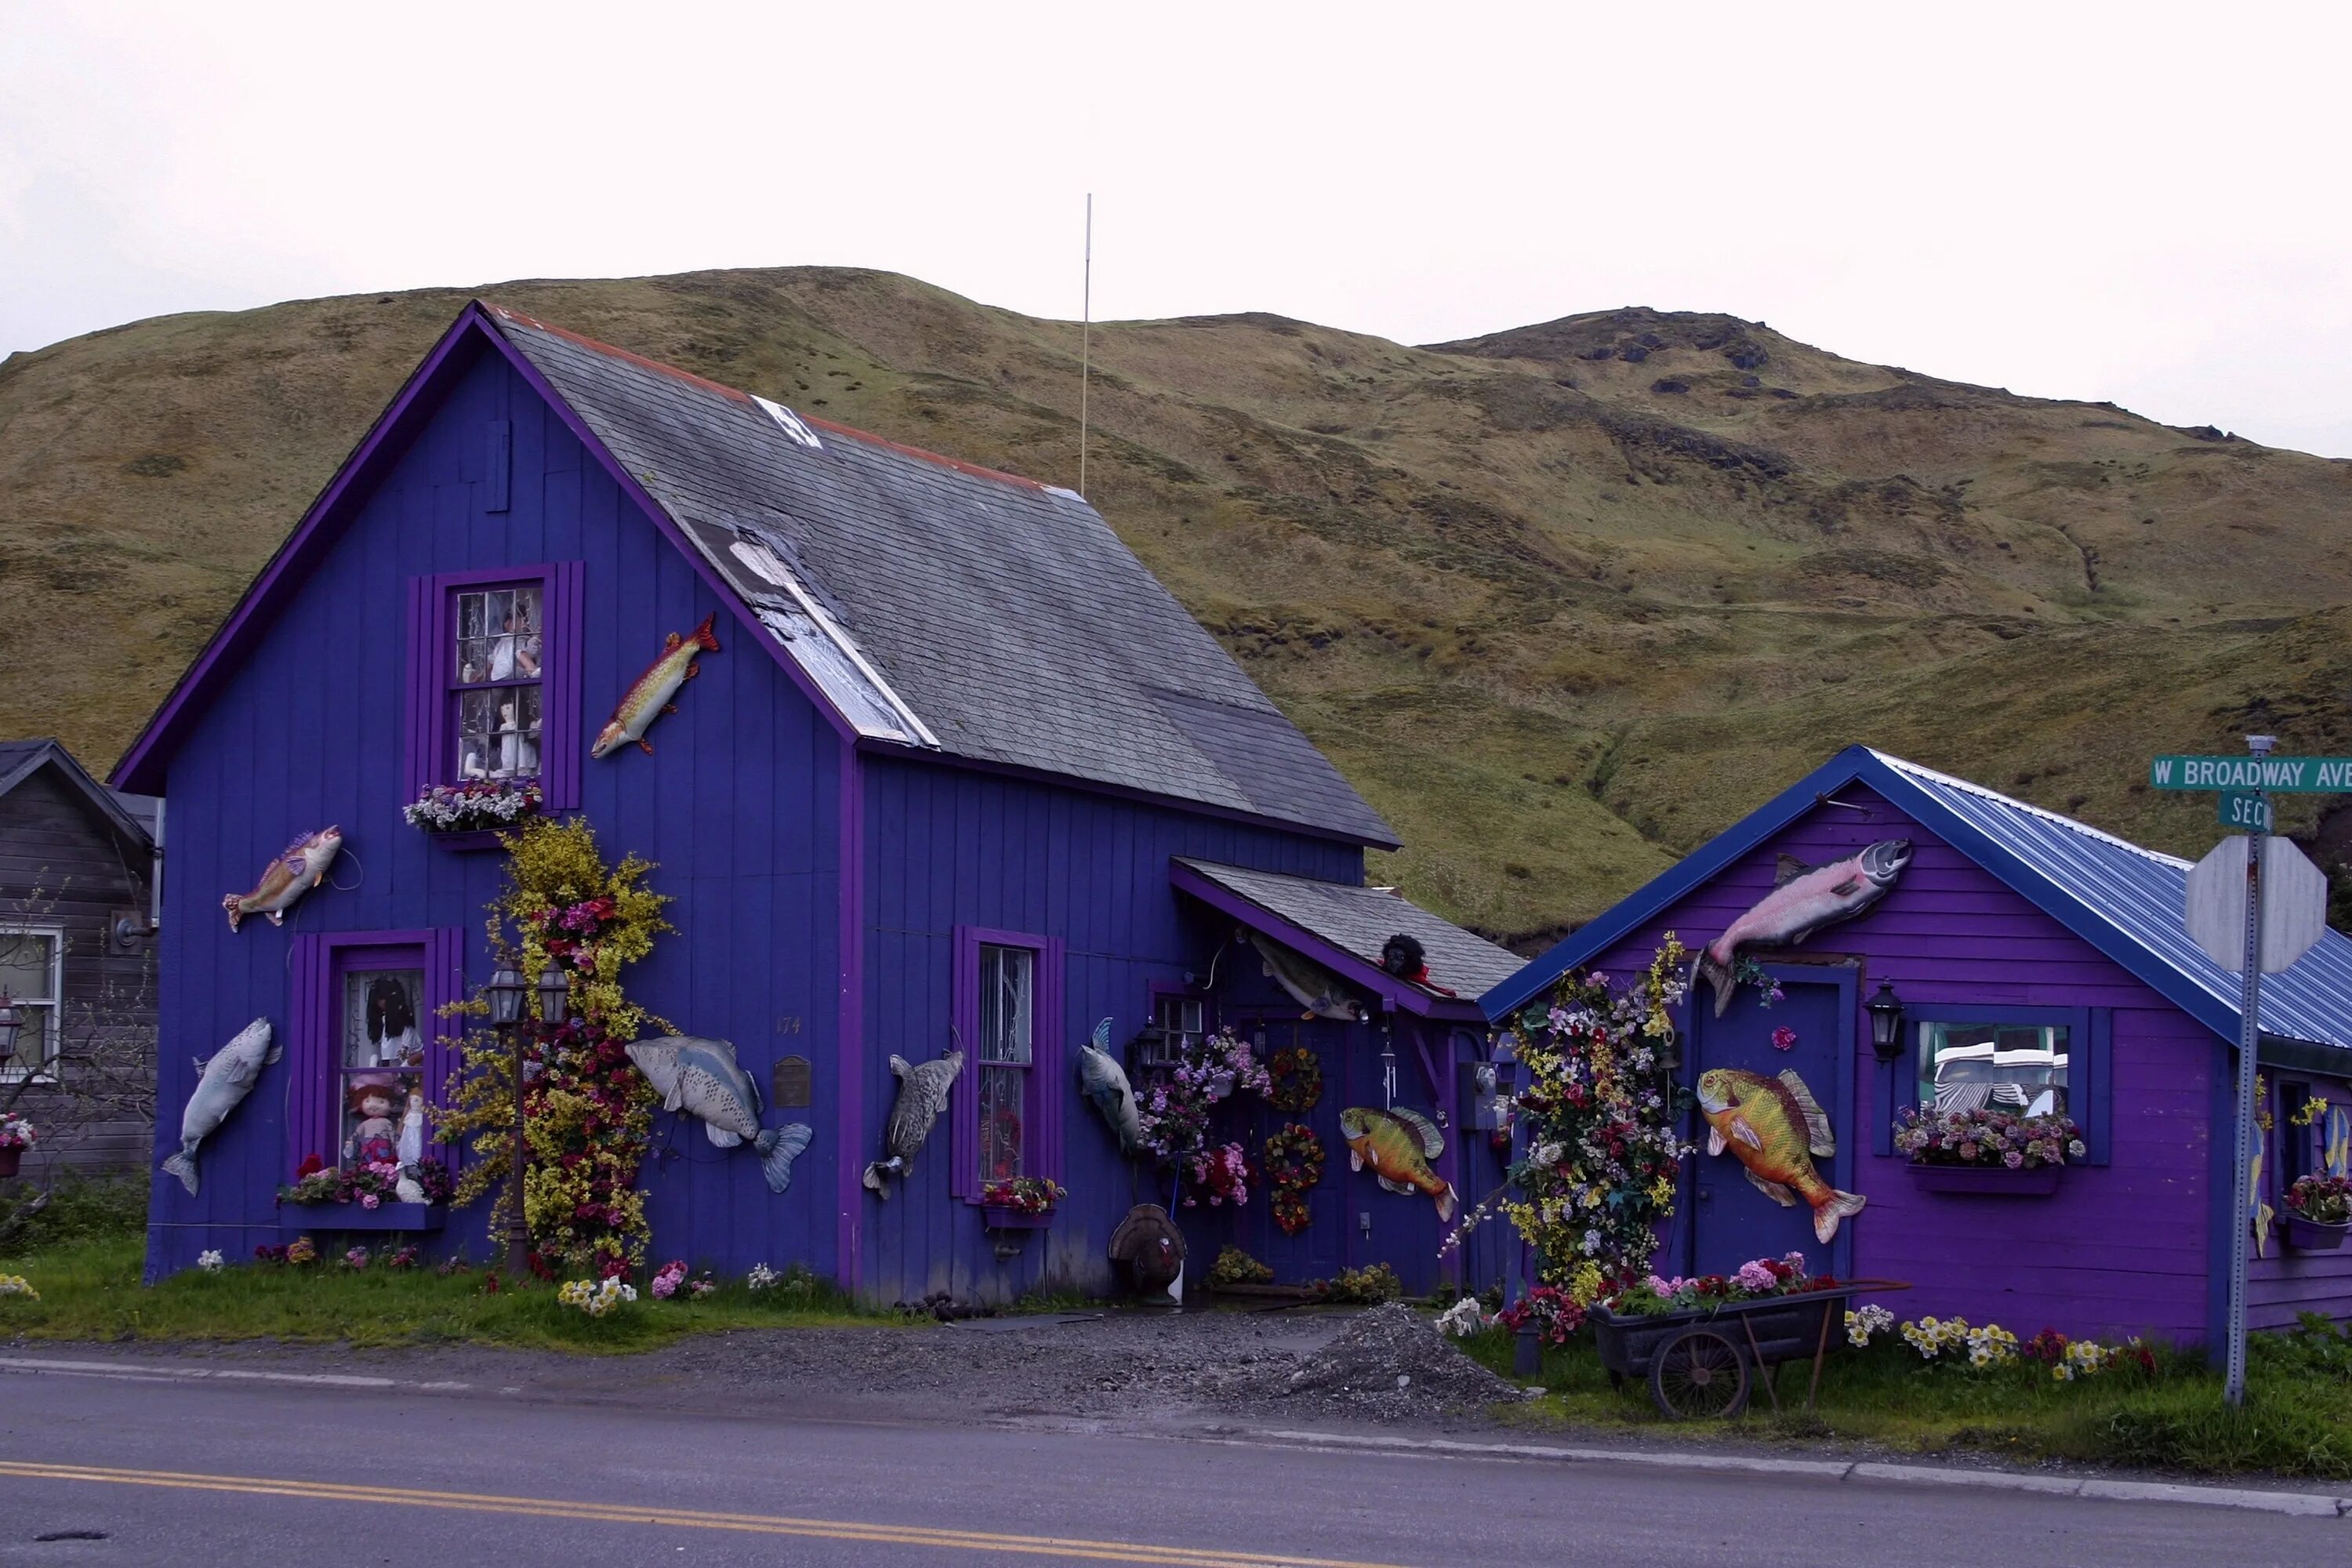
315,1059
431,633
1042,1130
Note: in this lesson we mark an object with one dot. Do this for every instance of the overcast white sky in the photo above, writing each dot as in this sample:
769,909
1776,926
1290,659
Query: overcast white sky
2125,202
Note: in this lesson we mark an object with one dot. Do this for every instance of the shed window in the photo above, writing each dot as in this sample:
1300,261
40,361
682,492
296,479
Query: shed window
1181,1020
32,971
1008,1000
369,1057
2020,1068
1006,1103
381,1090
497,658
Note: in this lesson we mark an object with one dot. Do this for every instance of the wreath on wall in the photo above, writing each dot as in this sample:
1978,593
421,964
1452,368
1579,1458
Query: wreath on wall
1297,1080
1294,1163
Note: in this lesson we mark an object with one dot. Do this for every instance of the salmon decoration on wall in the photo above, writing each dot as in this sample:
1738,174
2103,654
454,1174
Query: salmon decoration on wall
1775,1126
297,870
1806,900
648,696
1397,1146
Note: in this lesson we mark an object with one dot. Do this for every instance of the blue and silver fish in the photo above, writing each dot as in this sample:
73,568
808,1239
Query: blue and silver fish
223,1082
703,1079
1104,1082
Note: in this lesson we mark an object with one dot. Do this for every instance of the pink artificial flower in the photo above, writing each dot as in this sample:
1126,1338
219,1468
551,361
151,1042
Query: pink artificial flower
1784,1039
369,1201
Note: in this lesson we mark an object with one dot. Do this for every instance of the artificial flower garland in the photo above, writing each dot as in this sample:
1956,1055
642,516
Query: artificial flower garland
1295,1079
1294,1163
588,1111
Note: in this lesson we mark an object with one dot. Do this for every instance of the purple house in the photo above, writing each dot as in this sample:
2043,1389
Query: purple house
961,771
2040,966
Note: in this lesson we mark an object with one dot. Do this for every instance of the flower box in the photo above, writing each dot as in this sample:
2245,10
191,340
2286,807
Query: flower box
2308,1236
1996,1181
996,1217
359,1216
466,841
8,1159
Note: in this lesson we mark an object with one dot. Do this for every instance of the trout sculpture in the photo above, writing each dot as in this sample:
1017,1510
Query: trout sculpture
1806,900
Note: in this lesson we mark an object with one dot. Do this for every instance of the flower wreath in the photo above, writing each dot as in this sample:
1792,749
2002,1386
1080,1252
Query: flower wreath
1294,1163
1298,1079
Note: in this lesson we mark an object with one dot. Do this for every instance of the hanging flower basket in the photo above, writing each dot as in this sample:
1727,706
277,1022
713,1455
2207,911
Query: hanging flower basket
1995,1180
16,1135
8,1159
2307,1236
2317,1213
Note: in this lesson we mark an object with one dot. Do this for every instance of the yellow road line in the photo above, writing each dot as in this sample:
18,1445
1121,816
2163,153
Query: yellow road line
689,1519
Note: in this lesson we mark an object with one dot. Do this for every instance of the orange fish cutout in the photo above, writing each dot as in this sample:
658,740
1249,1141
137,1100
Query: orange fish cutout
1774,1126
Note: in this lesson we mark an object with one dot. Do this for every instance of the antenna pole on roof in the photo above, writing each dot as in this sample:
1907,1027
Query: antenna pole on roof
1085,339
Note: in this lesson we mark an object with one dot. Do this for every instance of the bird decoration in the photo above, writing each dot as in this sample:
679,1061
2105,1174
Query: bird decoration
1104,1082
922,1095
1148,1244
703,1079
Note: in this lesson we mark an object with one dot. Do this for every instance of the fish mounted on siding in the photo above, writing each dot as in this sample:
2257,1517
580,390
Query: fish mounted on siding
648,696
1774,1126
703,1079
922,1095
223,1082
1805,900
297,870
1397,1146
1103,1083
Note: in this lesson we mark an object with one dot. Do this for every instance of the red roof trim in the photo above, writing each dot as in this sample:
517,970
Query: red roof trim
940,458
638,360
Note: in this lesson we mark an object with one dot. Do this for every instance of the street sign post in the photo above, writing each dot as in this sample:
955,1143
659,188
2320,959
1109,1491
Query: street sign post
2246,811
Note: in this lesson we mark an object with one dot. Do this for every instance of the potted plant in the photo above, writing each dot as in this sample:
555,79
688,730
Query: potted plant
1986,1150
1023,1203
16,1135
371,1196
2319,1213
473,813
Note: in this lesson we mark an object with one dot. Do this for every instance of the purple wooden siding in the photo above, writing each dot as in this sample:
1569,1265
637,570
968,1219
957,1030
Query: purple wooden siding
2286,1281
740,810
2121,1247
1050,1059
432,631
946,848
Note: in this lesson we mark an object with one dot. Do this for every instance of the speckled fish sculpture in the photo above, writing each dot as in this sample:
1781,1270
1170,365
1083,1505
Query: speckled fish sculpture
1103,1083
1397,1145
648,696
222,1083
703,1079
294,873
922,1095
1806,900
1774,1126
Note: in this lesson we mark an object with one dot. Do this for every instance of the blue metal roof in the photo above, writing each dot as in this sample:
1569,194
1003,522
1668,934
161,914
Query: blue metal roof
2124,900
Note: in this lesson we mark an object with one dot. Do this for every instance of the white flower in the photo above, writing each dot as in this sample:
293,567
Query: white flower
209,1261
1463,1319
761,1277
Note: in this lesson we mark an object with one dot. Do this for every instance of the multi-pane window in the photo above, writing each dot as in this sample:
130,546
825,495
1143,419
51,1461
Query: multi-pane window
2017,1067
381,1081
1008,993
1179,1021
495,678
32,974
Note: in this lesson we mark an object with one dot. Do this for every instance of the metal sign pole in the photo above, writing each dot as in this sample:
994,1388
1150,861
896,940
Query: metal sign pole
2241,1183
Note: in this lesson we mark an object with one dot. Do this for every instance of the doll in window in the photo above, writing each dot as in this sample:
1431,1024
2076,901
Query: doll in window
391,1022
374,1140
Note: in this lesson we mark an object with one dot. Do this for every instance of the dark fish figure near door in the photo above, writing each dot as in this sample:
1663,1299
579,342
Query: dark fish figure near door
1806,900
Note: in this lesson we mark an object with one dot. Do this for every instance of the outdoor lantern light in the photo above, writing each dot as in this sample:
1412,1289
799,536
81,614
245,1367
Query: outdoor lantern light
505,991
554,996
1885,1022
11,1023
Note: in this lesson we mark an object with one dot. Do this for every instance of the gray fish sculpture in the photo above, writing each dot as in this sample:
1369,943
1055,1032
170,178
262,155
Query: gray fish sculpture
223,1082
703,1079
922,1095
1805,900
1104,1082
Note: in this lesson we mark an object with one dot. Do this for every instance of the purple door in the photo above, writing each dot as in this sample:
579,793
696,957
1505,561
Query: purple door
1733,1219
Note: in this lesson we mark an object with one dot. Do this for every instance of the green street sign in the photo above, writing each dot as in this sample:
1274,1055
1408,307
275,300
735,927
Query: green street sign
2280,775
2244,811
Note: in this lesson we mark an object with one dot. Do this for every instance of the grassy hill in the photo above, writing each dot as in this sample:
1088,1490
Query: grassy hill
1562,600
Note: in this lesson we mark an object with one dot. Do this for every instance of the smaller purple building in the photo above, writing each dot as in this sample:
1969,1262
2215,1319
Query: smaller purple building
2040,964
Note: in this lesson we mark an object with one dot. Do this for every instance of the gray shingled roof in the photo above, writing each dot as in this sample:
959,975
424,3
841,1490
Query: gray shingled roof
1359,921
135,814
938,604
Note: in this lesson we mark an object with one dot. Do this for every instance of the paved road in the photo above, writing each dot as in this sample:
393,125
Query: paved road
187,1473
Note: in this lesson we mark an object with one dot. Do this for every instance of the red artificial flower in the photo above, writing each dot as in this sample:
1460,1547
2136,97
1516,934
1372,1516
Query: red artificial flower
310,1166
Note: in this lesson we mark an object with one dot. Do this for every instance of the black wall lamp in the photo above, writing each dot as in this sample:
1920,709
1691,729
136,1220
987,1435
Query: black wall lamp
1886,1023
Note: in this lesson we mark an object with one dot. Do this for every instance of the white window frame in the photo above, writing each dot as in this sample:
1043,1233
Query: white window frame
52,1007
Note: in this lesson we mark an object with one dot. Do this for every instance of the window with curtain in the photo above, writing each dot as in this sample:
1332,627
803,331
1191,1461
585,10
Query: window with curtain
2020,1068
32,967
1008,994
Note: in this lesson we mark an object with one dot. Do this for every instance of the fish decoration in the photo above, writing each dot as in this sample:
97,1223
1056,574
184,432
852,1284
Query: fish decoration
297,870
703,1079
922,1095
222,1083
1805,900
1398,1145
1315,988
648,696
2337,1151
1775,1128
1148,1244
1104,1082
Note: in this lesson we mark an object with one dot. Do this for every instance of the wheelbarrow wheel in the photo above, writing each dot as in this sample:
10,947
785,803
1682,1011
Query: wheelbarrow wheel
1699,1375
